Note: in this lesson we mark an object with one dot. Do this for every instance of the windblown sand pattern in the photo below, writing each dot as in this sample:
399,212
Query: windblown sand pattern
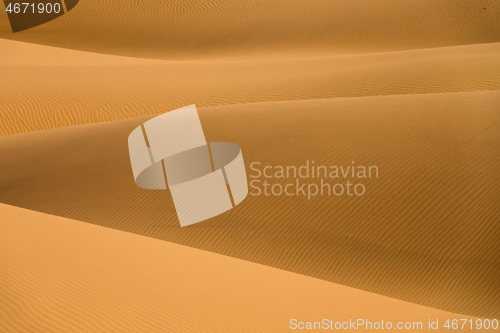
425,232
182,29
412,87
41,94
140,284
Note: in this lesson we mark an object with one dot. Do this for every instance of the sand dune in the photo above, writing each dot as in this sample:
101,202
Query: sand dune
60,275
412,87
46,88
425,232
204,29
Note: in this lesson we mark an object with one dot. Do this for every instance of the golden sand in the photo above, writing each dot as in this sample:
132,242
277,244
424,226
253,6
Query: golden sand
61,275
426,230
411,87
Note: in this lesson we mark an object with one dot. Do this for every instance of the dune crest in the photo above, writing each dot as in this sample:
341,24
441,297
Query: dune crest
68,87
80,277
425,231
194,29
410,88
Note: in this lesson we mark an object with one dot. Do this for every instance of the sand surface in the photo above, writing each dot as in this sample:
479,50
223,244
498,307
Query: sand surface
426,231
104,280
46,87
194,29
411,87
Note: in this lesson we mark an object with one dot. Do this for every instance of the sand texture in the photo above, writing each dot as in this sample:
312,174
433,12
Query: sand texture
190,29
103,280
426,232
46,91
411,87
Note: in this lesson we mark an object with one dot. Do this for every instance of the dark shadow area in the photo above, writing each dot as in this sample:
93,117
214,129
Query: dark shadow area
26,15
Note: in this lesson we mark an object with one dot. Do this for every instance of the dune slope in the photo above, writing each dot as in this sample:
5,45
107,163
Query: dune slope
187,29
61,275
426,230
43,87
411,88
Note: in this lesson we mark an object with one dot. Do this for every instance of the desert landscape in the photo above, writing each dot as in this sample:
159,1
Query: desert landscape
410,87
